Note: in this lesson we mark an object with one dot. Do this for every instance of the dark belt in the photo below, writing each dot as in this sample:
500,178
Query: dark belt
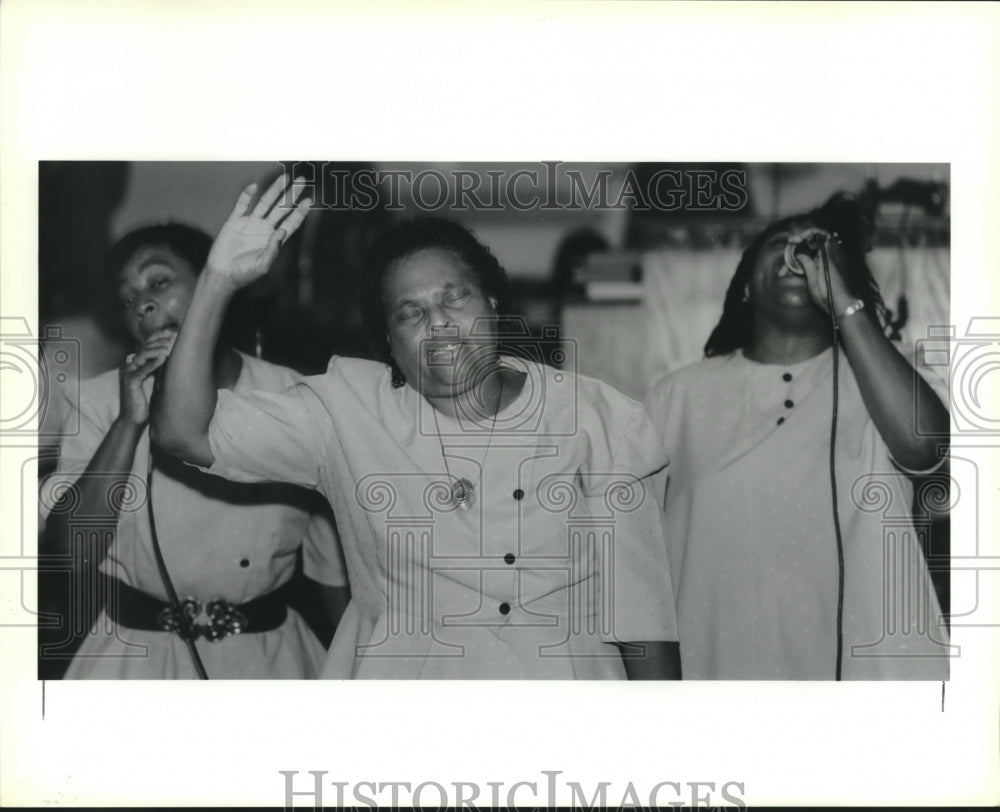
135,609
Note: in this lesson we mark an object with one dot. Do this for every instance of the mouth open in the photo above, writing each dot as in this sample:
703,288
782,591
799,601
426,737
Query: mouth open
439,354
791,271
790,264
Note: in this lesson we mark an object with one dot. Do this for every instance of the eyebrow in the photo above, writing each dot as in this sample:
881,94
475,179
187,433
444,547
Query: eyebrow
124,288
146,264
448,286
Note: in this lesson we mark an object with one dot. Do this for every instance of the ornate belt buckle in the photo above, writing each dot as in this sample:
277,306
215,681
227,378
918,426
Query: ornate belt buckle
224,619
181,623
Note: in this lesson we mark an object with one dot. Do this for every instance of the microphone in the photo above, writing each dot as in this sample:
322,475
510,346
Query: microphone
809,246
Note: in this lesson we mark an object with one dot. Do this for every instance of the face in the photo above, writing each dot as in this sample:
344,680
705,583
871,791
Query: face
155,289
774,291
432,302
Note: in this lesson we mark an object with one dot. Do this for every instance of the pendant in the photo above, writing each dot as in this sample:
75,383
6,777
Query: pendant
462,493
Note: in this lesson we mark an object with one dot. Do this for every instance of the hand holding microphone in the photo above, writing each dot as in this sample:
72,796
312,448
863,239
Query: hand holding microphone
804,255
139,366
809,243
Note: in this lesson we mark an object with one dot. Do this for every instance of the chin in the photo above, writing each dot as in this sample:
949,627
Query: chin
434,383
794,300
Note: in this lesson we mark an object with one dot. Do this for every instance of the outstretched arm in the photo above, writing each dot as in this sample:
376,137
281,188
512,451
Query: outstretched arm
242,252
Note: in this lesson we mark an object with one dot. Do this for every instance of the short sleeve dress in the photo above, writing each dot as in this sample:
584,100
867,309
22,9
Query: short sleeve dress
749,522
559,557
218,539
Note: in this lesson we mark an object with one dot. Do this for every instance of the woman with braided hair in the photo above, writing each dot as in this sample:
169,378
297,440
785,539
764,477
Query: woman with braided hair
761,516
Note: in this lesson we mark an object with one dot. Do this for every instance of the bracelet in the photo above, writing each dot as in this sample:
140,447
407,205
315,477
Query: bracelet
851,309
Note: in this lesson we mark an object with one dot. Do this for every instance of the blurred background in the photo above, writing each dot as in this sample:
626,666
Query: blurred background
679,254
625,287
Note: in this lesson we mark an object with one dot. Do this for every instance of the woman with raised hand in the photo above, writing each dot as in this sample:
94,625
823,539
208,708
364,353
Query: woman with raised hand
755,534
497,515
228,550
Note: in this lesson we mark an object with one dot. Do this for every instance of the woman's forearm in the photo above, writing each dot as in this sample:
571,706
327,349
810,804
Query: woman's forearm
907,413
183,409
109,469
244,249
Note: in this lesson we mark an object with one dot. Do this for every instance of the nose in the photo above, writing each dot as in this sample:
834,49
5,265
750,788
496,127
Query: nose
145,307
440,325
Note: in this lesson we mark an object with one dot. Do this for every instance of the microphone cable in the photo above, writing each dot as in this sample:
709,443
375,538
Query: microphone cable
174,600
833,465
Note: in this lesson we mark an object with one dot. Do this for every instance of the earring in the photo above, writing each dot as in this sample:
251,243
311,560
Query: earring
746,295
398,380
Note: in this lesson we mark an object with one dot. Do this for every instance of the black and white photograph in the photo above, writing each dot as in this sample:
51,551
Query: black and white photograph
365,426
496,421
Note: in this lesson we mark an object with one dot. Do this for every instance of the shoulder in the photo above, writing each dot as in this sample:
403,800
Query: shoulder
603,395
621,436
692,378
598,404
91,403
358,374
96,392
348,381
360,369
257,374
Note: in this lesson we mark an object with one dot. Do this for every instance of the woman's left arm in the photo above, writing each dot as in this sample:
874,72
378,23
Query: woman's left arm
639,590
909,416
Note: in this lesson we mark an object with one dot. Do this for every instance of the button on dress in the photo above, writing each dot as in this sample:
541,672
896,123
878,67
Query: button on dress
218,539
749,522
432,593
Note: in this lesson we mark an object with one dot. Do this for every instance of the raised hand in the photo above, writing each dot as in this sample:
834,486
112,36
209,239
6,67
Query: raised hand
250,239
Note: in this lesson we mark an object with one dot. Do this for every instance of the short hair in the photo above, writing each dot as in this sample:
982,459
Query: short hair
187,242
406,239
843,214
193,246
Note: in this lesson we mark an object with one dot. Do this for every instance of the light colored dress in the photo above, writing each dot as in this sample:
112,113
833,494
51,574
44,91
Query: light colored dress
560,555
749,522
218,539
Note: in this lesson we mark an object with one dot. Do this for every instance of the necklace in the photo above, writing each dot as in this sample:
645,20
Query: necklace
463,492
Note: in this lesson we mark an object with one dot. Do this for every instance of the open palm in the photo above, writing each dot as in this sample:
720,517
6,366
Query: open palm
250,239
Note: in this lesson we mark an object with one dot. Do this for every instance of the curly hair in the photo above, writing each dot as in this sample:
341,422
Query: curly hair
843,214
408,238
188,243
